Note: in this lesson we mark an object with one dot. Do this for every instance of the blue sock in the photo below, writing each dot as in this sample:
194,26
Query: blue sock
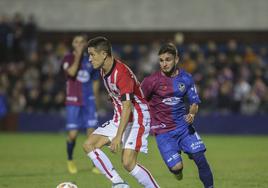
70,149
204,171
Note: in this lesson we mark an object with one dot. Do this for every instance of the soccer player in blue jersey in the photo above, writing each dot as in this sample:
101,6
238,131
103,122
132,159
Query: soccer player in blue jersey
172,125
82,85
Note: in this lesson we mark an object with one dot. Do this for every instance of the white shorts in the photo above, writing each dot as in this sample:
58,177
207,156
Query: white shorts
134,137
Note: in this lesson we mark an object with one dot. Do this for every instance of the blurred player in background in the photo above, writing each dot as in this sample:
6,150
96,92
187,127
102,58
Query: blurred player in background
171,123
82,86
131,121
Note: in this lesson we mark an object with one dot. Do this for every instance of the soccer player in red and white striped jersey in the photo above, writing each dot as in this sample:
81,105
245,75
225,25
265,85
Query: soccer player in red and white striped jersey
131,121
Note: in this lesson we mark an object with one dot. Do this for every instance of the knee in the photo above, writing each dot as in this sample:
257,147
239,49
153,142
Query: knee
128,164
197,157
88,146
72,137
177,168
200,160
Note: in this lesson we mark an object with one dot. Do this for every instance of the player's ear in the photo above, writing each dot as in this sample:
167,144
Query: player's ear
72,45
177,59
104,54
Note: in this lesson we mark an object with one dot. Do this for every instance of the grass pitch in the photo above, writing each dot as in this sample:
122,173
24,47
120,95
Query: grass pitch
39,161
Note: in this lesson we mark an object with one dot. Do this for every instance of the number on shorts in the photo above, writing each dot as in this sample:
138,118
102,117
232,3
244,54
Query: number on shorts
105,124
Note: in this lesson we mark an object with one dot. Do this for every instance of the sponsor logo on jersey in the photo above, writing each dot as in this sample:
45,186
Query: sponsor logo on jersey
181,86
172,101
162,125
71,98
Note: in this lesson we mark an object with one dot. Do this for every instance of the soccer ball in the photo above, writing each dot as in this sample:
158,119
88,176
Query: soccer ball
120,185
67,185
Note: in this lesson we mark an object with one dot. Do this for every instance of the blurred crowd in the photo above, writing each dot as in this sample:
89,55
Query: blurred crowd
231,77
30,73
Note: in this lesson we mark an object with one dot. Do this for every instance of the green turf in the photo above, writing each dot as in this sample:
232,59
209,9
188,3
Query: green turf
38,161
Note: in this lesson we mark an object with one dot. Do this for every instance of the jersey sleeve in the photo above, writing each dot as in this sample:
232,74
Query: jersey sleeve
192,92
125,83
147,88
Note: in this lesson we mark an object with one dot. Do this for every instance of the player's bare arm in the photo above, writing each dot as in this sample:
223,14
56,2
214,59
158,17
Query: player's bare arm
127,107
77,57
96,90
192,112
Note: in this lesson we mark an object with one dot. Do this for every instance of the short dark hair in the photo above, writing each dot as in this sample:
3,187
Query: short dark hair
84,36
168,48
100,43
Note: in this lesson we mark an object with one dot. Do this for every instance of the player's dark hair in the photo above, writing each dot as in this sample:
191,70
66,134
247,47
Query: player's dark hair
168,48
84,36
100,43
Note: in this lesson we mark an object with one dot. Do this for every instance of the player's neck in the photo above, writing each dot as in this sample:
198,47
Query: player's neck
108,64
174,73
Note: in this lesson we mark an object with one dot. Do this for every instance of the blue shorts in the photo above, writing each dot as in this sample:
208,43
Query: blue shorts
170,144
78,117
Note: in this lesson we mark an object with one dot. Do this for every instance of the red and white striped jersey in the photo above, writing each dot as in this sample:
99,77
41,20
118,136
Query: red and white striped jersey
121,85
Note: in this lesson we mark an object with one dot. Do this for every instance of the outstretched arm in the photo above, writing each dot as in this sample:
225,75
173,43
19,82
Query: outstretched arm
96,91
72,70
147,88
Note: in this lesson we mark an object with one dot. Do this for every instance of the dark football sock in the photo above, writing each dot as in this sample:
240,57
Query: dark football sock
205,173
70,149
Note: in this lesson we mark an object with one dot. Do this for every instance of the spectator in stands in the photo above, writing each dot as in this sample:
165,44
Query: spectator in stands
250,104
241,93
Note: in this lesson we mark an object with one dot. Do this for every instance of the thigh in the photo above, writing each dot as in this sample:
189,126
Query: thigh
136,133
135,137
72,117
192,143
108,129
97,141
89,116
169,148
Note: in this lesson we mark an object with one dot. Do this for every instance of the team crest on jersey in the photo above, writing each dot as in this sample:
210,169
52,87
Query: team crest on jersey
83,76
181,87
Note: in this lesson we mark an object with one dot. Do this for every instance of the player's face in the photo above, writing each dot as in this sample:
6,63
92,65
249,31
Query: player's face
97,58
167,62
79,42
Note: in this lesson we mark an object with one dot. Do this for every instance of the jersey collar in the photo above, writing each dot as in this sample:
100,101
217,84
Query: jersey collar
110,72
